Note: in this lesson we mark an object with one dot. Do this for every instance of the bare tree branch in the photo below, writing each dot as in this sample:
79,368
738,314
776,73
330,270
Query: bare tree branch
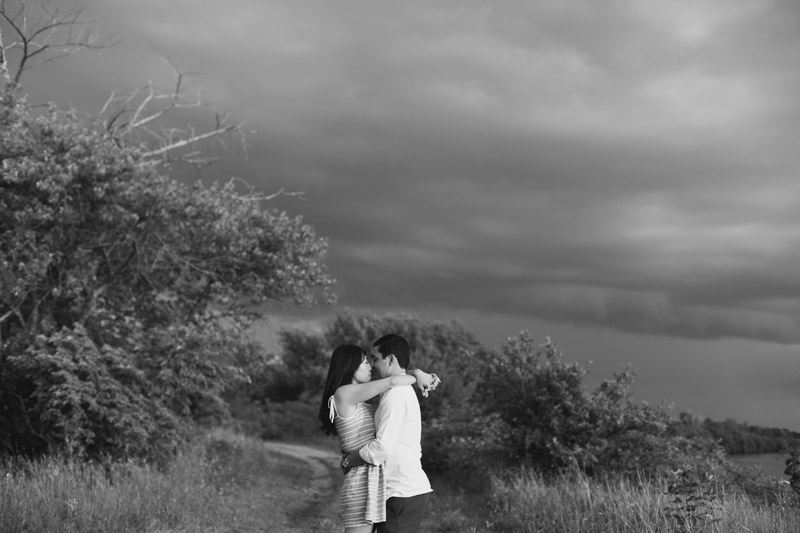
4,61
174,145
137,118
251,195
46,36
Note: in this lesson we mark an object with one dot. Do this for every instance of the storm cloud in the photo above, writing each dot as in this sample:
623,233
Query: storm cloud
628,165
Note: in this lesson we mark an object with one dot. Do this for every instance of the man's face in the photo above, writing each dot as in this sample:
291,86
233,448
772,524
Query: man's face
379,364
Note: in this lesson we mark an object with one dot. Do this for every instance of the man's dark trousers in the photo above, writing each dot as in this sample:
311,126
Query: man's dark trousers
404,515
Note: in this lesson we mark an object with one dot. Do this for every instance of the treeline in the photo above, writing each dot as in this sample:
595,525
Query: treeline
521,404
737,438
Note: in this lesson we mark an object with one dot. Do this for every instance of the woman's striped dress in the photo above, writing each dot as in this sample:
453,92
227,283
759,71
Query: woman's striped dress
362,498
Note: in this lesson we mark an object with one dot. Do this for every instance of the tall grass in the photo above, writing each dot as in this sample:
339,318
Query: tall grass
227,483
526,503
222,483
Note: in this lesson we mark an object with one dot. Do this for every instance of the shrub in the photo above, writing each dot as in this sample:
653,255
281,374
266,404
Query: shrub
793,469
550,422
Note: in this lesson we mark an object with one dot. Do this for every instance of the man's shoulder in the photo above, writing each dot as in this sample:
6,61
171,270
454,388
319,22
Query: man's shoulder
400,390
401,393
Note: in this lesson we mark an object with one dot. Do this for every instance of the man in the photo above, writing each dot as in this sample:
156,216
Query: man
397,445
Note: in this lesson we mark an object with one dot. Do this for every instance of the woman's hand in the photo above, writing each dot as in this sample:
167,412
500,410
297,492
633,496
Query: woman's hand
426,382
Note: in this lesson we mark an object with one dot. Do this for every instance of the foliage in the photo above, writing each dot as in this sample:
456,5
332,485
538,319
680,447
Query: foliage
793,469
298,375
522,405
219,481
465,446
552,423
693,500
527,502
736,437
87,399
118,280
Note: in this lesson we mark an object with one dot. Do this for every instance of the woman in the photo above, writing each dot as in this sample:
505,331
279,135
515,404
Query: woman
345,413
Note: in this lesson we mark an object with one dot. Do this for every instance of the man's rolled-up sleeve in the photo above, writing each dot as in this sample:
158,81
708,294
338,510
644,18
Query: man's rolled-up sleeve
388,426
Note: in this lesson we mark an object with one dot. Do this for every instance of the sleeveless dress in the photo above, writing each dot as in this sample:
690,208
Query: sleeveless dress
362,498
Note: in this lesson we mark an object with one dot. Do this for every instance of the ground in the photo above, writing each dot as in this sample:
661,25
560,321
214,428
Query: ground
310,503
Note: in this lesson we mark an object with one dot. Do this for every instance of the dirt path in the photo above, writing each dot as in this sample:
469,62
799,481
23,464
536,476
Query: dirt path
320,462
317,509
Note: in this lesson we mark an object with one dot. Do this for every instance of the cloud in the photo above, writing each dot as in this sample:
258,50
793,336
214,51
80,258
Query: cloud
628,164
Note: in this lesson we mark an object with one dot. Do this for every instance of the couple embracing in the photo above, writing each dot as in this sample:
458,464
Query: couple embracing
385,488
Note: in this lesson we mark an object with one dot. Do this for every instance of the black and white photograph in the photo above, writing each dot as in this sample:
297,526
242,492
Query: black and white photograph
426,266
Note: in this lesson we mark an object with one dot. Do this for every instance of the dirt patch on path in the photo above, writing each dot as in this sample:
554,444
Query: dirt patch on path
319,506
320,462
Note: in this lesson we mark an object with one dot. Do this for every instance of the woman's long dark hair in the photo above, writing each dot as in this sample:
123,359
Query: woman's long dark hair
344,362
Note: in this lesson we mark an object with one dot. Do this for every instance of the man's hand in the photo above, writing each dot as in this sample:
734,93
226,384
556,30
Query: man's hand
345,463
350,460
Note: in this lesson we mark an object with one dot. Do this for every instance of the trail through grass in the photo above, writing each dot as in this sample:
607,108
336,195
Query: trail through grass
224,484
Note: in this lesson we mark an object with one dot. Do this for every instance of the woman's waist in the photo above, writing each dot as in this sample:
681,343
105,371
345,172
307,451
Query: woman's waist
353,446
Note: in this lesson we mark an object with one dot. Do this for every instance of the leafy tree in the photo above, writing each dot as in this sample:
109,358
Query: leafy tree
117,282
548,420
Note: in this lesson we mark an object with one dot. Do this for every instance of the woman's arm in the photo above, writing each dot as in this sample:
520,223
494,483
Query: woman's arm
349,395
426,382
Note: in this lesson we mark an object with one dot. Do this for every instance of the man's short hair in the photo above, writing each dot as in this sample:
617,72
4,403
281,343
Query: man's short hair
395,345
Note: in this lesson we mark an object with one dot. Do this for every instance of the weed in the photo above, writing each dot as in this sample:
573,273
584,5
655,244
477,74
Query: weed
693,502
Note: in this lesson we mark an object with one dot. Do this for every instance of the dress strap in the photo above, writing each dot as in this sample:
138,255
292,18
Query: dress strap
331,408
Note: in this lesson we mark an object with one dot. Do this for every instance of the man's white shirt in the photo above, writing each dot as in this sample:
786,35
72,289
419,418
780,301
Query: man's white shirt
398,426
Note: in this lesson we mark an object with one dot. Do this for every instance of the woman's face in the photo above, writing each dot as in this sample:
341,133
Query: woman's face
364,372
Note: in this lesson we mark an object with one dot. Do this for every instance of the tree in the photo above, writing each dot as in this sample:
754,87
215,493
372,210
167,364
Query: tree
124,294
548,420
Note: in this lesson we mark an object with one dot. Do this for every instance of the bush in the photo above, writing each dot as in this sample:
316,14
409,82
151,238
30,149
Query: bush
793,469
89,401
548,421
290,421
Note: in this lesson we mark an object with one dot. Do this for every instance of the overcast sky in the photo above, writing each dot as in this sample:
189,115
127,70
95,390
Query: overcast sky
622,175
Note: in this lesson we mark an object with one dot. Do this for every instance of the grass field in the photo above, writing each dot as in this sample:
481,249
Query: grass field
232,484
527,504
224,483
